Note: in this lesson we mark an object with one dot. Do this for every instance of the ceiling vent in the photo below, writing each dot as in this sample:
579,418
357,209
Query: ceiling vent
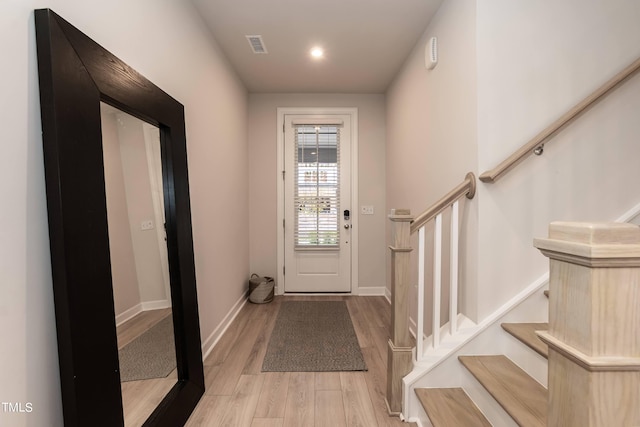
256,43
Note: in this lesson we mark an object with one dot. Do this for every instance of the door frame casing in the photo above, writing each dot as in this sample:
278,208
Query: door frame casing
280,213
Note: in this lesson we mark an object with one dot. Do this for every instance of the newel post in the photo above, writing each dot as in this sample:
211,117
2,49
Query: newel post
594,324
399,354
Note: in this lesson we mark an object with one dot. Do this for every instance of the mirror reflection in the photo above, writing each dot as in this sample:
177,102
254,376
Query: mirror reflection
139,262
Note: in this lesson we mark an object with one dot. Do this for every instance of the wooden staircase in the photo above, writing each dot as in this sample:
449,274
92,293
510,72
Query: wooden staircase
590,352
521,396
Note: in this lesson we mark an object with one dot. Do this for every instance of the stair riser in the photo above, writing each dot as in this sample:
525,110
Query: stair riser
523,356
485,402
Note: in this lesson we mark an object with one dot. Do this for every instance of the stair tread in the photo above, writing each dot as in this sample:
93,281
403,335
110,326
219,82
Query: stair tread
526,332
449,407
522,397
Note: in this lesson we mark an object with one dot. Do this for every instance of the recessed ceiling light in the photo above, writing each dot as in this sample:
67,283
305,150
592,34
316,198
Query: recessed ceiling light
317,52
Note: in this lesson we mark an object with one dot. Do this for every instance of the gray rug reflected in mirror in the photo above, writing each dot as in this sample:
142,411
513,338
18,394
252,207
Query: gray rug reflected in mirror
151,355
313,336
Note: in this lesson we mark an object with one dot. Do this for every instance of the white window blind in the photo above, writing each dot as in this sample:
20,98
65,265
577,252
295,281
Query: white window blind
317,186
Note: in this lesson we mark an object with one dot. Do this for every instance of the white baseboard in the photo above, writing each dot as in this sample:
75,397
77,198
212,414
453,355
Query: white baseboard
209,343
372,291
139,308
212,340
155,305
128,314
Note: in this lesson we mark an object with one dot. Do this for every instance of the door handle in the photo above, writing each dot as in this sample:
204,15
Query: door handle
347,226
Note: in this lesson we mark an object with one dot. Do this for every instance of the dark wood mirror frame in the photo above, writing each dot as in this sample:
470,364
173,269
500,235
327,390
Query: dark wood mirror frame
75,74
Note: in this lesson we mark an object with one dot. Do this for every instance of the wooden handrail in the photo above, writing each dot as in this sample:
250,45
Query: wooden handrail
466,188
400,344
526,150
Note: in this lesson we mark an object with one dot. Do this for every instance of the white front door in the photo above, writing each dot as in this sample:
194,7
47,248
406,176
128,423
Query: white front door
317,203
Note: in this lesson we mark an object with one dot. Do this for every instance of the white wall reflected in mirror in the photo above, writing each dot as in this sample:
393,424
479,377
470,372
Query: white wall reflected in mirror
139,263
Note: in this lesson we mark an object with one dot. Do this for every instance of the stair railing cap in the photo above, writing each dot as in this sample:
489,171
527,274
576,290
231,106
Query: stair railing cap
594,244
595,233
400,215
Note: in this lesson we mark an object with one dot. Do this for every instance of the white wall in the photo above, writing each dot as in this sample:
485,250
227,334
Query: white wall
126,293
431,126
129,203
185,63
431,114
146,247
371,179
535,61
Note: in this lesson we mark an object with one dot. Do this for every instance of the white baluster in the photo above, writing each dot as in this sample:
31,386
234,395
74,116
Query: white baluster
420,320
453,292
437,280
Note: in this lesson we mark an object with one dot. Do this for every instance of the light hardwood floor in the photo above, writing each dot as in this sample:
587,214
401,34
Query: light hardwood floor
239,394
140,398
139,324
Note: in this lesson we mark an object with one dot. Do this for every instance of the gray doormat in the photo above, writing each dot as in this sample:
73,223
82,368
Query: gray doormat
313,336
151,355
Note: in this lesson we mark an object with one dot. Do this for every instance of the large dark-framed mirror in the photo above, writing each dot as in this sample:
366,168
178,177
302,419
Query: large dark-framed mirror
76,75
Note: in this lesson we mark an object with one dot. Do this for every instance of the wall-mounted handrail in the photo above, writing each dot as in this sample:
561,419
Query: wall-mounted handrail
466,188
526,150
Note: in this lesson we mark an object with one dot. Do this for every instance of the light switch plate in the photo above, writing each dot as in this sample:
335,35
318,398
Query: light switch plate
366,210
146,225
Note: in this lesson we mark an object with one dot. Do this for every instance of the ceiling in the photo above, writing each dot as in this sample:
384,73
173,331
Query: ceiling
365,41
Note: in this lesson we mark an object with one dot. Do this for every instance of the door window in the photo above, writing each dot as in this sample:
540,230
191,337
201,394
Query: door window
316,187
